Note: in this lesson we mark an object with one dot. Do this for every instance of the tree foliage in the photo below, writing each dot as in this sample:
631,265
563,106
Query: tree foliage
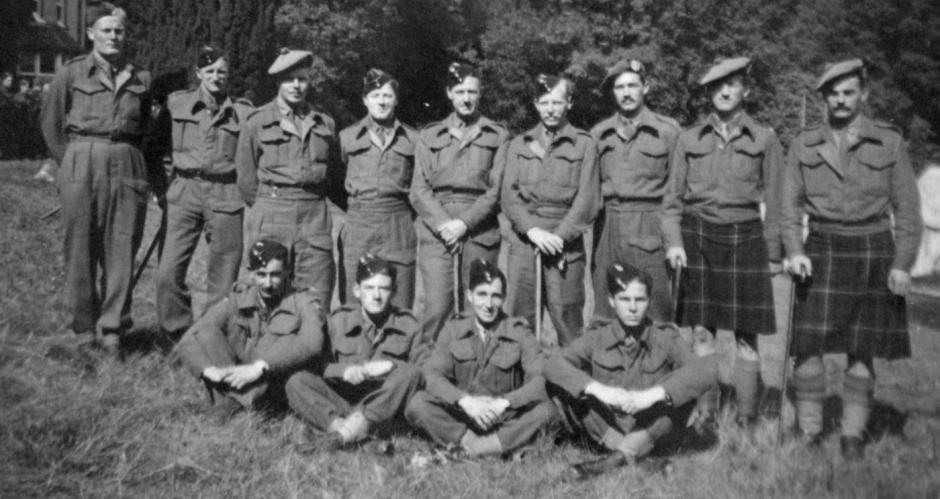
512,40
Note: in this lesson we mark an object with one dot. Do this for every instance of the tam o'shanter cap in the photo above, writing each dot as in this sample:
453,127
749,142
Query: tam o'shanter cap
624,66
839,69
724,68
97,10
289,59
375,79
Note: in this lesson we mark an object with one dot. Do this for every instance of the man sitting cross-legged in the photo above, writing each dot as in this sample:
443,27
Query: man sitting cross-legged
622,383
485,391
245,346
372,368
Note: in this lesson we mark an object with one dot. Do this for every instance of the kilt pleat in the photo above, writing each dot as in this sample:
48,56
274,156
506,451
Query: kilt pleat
846,306
726,283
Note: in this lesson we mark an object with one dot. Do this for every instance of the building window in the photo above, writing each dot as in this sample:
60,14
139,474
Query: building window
60,11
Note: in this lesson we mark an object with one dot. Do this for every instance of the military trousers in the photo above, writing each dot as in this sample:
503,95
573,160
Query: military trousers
195,206
631,237
562,286
447,423
301,222
320,401
384,228
216,346
103,189
594,419
436,266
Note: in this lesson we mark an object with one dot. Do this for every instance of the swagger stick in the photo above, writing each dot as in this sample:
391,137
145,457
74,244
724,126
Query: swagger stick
538,296
455,263
676,283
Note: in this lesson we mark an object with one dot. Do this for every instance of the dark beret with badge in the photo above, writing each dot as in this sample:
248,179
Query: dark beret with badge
265,250
484,272
840,69
97,10
289,59
457,72
371,265
624,66
545,84
376,79
723,68
620,275
208,56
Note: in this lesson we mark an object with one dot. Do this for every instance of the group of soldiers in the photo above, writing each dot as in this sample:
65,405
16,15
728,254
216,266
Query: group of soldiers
714,208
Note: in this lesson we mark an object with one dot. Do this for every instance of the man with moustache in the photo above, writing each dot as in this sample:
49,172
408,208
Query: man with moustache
551,195
247,345
378,152
200,129
288,164
485,393
371,368
633,152
726,171
850,175
455,191
94,119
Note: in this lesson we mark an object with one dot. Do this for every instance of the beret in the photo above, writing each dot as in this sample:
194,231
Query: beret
458,71
371,265
265,250
839,69
620,275
724,68
624,66
375,79
97,10
544,84
288,59
482,272
207,56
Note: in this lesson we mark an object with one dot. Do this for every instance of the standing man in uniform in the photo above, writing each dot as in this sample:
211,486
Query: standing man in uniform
93,120
246,346
200,130
372,368
288,163
485,390
551,195
378,152
633,151
726,172
455,191
850,175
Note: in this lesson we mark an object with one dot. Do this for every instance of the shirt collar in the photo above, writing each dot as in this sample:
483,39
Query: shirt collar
742,121
288,112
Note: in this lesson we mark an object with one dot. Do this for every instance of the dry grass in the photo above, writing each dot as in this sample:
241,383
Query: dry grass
79,426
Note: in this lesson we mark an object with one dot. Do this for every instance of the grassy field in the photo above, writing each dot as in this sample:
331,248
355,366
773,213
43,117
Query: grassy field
79,426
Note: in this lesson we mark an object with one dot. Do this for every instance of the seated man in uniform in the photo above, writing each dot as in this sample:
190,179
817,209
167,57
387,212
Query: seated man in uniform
622,383
245,346
485,391
372,368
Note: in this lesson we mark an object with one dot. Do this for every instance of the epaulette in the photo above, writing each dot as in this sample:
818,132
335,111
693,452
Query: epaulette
406,312
581,131
519,321
432,125
241,286
667,325
668,120
598,322
343,309
177,96
888,126
253,112
243,101
76,59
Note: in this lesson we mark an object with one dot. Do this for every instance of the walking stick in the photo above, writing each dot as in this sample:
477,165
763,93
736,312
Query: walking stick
538,296
677,281
157,240
455,264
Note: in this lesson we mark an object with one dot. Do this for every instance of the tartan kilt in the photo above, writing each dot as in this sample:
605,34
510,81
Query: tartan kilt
726,283
846,306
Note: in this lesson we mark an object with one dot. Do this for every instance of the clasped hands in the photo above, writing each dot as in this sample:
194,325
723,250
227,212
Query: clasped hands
623,400
545,241
483,410
358,373
451,232
236,376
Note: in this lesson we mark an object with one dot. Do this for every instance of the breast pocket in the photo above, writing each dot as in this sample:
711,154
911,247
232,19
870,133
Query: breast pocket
698,158
399,165
396,347
877,166
608,367
747,163
273,145
651,160
816,174
347,350
185,134
482,151
465,361
132,99
90,100
505,373
228,141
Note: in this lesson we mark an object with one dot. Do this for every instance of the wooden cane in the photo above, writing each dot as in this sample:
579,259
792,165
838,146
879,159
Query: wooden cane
677,281
538,296
784,366
455,264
